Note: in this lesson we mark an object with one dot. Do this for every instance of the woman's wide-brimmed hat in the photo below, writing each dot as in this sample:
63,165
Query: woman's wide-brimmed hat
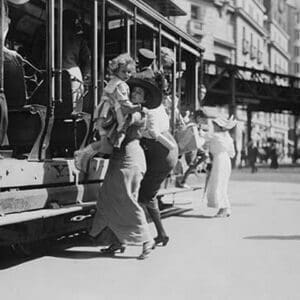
153,95
224,123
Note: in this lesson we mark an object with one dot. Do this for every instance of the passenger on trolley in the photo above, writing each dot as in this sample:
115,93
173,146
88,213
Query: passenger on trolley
14,84
76,59
76,56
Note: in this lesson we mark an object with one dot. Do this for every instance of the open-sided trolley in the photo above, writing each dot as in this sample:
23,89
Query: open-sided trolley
42,194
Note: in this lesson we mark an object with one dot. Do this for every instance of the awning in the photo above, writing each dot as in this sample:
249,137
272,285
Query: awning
166,7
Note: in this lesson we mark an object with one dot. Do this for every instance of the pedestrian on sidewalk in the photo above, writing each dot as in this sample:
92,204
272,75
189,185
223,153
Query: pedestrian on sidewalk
196,157
221,148
274,155
252,156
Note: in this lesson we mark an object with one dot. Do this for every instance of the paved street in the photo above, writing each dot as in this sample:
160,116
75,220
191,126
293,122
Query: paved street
255,254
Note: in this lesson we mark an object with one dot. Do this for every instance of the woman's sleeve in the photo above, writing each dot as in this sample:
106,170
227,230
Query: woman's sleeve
121,92
231,150
152,125
138,119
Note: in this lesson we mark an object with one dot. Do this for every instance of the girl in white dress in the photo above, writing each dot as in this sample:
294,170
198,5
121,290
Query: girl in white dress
222,149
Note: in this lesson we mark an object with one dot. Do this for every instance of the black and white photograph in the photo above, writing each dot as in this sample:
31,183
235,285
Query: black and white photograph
150,149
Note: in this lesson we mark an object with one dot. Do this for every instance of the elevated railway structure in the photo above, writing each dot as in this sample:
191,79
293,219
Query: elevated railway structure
255,90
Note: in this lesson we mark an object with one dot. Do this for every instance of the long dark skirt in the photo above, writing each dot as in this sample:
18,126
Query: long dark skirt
118,208
160,162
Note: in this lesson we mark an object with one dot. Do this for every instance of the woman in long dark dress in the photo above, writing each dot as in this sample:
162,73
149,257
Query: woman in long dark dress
161,153
159,145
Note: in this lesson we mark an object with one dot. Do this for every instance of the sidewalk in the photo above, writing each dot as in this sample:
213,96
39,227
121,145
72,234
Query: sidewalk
255,254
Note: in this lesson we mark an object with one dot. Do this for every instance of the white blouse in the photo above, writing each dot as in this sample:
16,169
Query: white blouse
157,122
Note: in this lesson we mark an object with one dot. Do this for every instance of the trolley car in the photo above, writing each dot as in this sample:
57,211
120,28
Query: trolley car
42,194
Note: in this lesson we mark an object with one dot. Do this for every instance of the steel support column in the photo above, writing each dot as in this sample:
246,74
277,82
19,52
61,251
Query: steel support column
3,104
295,154
59,46
95,86
159,47
173,92
135,33
232,105
45,140
127,29
179,69
249,124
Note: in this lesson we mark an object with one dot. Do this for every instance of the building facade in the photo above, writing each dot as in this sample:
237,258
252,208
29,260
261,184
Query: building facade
294,66
212,24
277,27
250,33
294,42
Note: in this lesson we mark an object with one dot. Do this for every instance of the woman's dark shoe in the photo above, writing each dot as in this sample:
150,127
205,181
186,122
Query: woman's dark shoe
112,249
147,249
164,240
223,213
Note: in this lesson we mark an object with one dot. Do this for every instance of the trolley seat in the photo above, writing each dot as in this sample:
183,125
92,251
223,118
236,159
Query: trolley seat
26,122
69,131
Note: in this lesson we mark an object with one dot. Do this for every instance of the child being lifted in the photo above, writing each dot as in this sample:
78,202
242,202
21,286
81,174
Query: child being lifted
112,114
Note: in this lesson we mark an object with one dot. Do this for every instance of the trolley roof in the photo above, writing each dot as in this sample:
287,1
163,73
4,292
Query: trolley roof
169,30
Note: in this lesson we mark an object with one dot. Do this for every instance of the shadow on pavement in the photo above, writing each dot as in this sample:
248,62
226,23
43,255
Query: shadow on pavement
289,199
274,237
242,204
195,216
79,254
9,260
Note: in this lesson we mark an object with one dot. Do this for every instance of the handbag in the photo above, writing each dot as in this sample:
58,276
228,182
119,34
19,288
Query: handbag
188,139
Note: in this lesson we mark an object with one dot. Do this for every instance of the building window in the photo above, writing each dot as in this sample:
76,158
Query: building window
297,67
298,18
194,12
246,44
297,51
297,34
253,50
251,11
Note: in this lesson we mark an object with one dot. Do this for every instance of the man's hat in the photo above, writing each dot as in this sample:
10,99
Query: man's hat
146,53
153,95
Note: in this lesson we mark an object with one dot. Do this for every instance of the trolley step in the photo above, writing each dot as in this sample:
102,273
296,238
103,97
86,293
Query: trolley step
29,216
